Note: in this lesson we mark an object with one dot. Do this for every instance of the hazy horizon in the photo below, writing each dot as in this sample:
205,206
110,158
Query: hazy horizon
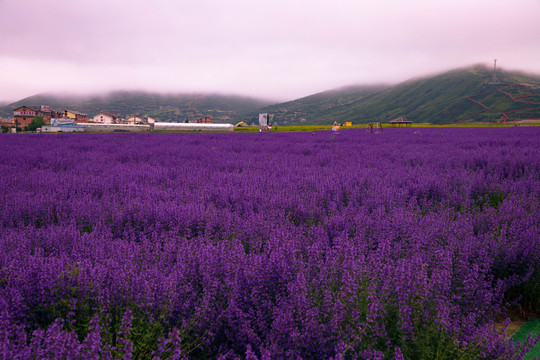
274,50
107,93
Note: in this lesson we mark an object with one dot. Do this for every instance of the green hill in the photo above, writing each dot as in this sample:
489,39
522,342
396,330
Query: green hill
173,107
316,109
459,96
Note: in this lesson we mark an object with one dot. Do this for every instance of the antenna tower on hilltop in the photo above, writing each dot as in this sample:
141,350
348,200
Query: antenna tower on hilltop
494,79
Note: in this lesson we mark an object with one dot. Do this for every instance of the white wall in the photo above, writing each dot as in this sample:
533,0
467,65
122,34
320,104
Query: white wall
103,119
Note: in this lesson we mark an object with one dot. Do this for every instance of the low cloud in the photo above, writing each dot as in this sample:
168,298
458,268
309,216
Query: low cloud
278,49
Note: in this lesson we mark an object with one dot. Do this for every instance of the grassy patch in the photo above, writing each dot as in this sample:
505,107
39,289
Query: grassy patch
297,128
531,327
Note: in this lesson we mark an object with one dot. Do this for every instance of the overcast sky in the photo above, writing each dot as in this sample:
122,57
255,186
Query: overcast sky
275,49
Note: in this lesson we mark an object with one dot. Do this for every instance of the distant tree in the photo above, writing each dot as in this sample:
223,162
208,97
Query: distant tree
5,129
36,122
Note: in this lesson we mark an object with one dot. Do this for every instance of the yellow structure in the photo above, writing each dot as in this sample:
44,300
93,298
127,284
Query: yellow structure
348,123
75,115
70,114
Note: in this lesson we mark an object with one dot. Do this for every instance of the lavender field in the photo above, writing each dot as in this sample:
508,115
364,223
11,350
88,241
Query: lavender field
409,244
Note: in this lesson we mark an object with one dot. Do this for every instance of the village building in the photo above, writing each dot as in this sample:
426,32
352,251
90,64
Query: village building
205,120
106,117
139,120
59,129
75,115
6,123
47,114
23,115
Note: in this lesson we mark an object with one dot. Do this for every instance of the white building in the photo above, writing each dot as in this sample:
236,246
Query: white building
163,126
58,129
102,118
93,127
139,120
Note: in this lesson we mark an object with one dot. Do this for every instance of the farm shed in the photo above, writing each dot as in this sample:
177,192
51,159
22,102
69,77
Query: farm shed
163,126
402,120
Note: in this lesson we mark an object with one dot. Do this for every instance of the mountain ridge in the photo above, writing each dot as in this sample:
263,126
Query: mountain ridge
470,94
458,96
164,107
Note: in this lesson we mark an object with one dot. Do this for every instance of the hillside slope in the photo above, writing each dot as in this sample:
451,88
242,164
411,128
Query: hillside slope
310,109
173,107
458,96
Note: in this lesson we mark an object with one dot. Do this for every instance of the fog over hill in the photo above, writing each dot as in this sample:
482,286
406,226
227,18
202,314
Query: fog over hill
472,94
164,107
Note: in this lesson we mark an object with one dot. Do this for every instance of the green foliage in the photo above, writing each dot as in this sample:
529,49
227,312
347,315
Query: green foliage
76,307
145,335
36,123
